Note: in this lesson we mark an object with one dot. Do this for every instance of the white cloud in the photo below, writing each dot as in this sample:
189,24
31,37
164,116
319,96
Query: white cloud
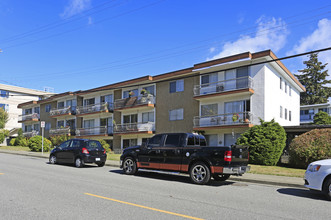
75,7
90,21
270,34
318,39
212,49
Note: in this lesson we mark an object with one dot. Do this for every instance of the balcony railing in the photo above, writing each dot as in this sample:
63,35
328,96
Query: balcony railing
62,111
134,127
308,117
30,117
30,134
103,130
240,118
223,86
101,107
134,101
61,131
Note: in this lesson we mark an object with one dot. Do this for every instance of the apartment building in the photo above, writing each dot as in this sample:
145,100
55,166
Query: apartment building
220,98
11,96
307,112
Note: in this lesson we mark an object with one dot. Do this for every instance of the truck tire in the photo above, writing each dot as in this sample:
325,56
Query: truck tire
327,188
129,166
200,173
221,177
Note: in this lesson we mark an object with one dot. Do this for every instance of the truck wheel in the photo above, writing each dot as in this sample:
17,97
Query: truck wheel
200,173
221,177
327,188
129,166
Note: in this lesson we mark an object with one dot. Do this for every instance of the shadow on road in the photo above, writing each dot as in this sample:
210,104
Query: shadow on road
173,177
73,166
305,193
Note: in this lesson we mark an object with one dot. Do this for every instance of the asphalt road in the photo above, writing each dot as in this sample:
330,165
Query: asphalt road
30,188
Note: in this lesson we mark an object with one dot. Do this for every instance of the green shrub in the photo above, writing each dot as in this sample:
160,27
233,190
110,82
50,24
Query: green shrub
12,142
311,146
3,134
35,144
105,145
58,139
322,118
23,142
266,142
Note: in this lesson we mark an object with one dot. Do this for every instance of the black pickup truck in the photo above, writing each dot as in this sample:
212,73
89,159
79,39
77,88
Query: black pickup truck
186,153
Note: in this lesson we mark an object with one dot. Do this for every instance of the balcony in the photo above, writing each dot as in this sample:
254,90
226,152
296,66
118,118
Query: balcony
62,111
61,131
146,128
29,117
145,101
242,119
95,108
95,131
309,118
238,85
30,134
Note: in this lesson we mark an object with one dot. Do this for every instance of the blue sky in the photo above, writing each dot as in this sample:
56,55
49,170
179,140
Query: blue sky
74,45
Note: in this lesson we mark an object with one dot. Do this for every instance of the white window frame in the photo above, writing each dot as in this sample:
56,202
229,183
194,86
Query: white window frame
176,114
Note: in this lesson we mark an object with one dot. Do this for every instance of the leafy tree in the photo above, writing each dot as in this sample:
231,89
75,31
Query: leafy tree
322,118
310,146
4,117
313,77
266,142
3,134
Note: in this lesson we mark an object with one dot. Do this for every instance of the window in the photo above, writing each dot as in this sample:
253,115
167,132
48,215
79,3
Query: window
129,143
89,101
281,112
210,78
290,91
190,140
289,115
28,128
230,139
285,113
237,106
4,107
36,127
212,139
144,141
129,119
65,144
60,124
93,144
4,94
89,123
76,143
48,108
172,140
176,86
285,87
47,126
71,103
176,114
149,89
281,83
323,110
28,111
211,109
126,94
148,116
155,141
60,105
106,98
37,110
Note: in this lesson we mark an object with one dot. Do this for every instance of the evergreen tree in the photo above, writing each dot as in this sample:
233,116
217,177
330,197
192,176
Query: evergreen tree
4,117
313,77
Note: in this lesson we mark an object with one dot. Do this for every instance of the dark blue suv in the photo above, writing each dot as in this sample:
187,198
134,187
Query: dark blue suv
79,152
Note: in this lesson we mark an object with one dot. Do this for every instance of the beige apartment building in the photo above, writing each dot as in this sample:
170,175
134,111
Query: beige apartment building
220,98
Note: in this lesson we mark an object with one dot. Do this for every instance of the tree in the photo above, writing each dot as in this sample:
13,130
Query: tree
4,117
313,77
322,118
266,142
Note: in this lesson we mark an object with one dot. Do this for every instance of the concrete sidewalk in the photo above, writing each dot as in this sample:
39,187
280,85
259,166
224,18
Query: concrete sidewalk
247,177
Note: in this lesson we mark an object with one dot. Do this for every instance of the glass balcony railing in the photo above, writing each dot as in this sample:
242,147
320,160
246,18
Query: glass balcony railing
95,108
29,117
63,111
30,134
239,118
309,117
61,131
134,101
103,130
223,86
134,127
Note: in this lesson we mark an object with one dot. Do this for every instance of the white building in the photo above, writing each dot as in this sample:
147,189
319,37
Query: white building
307,112
11,96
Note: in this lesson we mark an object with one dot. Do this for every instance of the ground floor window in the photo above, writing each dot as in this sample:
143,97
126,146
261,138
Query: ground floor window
129,143
230,139
212,139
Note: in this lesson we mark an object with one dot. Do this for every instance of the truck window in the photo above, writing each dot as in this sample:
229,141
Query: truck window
155,141
190,140
202,140
173,140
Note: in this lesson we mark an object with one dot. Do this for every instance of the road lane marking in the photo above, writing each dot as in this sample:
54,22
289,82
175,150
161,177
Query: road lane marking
144,207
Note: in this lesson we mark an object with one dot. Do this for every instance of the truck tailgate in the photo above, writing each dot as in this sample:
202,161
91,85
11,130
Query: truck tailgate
240,155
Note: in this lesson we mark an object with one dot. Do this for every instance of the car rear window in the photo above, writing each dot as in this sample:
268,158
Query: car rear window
93,144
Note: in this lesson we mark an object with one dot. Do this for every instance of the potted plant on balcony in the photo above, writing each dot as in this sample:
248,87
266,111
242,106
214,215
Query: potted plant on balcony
235,117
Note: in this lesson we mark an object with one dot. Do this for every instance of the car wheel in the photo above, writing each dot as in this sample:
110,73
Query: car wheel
79,163
327,188
221,177
52,159
200,173
129,166
101,164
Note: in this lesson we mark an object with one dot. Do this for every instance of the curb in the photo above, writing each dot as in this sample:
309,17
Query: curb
111,163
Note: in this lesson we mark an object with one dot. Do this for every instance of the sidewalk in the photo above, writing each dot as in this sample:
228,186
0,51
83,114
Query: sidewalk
247,177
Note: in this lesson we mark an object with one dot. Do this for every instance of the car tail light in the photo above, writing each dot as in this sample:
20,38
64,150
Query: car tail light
104,151
85,151
228,156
